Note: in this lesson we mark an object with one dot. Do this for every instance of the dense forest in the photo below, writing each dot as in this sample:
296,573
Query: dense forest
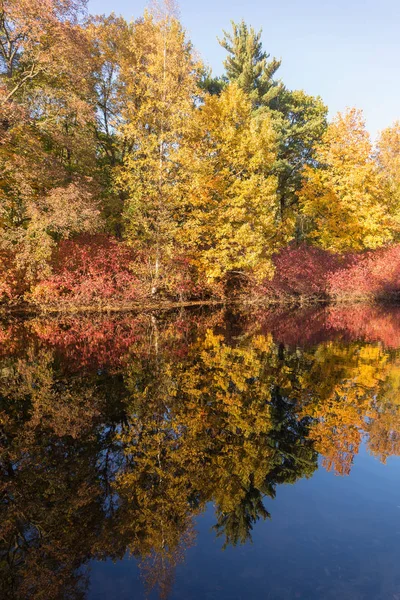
128,171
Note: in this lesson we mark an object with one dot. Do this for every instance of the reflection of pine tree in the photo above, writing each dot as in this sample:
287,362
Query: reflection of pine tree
236,525
294,455
95,462
292,458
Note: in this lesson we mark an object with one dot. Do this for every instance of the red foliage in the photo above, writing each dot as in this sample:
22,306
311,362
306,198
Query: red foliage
90,343
99,341
369,274
301,271
295,326
314,325
306,271
365,322
98,269
90,270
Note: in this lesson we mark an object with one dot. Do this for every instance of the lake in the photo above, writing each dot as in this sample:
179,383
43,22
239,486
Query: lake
228,454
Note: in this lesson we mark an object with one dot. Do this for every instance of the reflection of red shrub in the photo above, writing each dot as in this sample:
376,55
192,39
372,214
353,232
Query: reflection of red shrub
92,269
92,343
366,322
99,341
313,325
295,326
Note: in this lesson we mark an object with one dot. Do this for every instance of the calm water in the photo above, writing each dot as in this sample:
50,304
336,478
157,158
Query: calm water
201,455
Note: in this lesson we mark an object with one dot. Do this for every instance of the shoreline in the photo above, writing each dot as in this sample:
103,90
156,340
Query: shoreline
295,302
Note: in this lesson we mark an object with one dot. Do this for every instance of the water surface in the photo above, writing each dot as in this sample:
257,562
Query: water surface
228,454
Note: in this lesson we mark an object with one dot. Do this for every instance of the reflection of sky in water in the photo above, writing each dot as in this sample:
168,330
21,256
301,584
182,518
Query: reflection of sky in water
329,537
107,442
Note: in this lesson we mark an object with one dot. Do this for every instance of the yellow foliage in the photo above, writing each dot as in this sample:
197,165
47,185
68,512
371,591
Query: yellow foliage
231,203
160,79
388,157
343,194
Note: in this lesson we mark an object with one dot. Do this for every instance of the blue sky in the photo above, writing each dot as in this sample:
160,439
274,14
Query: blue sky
347,51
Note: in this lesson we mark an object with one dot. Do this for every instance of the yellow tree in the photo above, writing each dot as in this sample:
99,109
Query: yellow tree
388,158
231,208
160,79
343,195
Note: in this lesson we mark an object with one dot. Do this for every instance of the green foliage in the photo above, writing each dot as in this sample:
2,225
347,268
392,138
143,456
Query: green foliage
301,122
248,65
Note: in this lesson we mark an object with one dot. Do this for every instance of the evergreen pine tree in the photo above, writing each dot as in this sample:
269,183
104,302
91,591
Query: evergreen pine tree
249,66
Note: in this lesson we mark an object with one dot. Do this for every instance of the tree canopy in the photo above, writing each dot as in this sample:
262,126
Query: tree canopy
118,129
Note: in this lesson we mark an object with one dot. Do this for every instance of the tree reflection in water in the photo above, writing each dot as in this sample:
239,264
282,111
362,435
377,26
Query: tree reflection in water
116,432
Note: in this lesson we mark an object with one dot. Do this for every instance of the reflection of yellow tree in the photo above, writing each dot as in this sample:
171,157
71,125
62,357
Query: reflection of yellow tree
208,427
383,427
97,461
53,474
231,401
342,390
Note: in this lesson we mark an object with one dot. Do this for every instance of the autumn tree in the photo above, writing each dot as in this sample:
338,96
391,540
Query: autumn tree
39,202
230,219
44,61
343,197
29,34
109,43
160,82
388,158
47,154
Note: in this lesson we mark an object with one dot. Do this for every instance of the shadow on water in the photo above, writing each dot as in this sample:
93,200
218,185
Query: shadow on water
116,432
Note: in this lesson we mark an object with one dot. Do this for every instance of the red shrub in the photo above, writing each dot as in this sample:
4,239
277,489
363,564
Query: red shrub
307,271
99,270
90,270
301,271
369,274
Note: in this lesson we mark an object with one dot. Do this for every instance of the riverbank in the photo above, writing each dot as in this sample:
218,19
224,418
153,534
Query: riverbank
98,274
296,303
290,325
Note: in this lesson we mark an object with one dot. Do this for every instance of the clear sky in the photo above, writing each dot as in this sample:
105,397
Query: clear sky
347,51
